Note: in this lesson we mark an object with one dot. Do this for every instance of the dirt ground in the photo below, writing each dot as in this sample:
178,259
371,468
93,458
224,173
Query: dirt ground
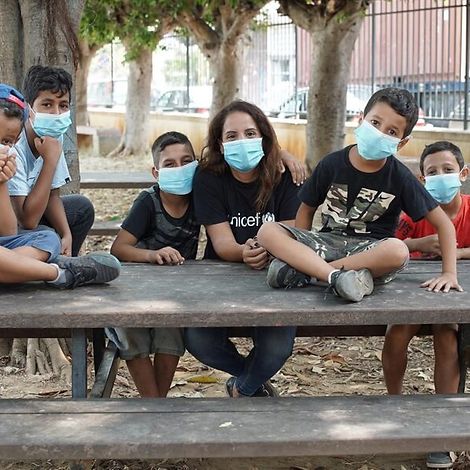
319,366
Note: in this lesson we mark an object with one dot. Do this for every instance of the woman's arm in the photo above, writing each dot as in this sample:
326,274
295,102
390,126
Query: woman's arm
224,242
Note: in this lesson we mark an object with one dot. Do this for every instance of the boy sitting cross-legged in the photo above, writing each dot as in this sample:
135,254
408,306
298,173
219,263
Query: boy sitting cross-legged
363,189
442,170
160,229
29,256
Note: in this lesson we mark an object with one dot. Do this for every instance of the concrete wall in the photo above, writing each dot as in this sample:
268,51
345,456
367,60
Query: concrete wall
291,133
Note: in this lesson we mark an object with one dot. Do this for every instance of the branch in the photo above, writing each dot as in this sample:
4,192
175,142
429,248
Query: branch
245,12
313,16
205,36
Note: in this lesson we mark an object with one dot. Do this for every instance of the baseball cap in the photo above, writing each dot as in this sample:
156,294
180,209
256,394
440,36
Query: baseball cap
11,94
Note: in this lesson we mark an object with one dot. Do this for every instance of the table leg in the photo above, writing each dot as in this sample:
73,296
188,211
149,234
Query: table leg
99,340
464,353
79,363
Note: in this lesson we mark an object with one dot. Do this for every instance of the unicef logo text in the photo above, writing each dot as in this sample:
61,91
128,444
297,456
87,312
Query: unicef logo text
252,220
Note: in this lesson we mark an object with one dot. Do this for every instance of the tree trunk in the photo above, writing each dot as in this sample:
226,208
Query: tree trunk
226,71
332,48
87,53
134,139
11,43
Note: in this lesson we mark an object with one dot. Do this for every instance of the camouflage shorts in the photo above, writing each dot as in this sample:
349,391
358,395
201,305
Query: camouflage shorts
333,245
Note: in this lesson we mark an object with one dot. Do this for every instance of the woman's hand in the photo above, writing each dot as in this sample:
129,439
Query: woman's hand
298,169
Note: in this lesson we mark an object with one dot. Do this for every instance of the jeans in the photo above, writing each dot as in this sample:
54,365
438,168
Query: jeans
44,240
80,215
272,347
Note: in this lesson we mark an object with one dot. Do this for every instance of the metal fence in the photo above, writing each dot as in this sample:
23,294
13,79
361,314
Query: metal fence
421,45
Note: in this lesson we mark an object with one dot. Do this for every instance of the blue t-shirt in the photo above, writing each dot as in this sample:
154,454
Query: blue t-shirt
28,168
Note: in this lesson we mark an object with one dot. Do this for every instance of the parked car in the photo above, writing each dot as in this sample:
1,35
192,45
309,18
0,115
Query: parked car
199,100
293,107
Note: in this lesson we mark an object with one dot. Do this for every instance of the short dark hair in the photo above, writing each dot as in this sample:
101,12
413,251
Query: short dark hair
40,78
166,139
441,146
401,101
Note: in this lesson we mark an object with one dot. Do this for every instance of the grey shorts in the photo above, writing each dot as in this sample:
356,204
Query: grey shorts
142,342
333,245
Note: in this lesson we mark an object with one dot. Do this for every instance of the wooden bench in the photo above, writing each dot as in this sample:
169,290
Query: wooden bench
231,295
87,138
198,428
113,180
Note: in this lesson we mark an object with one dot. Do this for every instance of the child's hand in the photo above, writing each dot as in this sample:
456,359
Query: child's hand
444,282
66,245
167,255
49,149
7,167
298,169
255,255
429,244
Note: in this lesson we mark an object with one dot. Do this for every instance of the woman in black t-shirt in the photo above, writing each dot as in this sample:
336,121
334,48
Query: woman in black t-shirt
238,187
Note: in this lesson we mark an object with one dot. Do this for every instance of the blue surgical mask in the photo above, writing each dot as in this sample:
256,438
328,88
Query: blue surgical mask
243,155
178,180
443,188
52,125
373,144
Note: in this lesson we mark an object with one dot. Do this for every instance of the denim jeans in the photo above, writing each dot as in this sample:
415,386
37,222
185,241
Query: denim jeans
272,346
44,240
80,215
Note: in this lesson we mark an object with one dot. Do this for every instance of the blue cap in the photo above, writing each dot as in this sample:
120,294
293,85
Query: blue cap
11,94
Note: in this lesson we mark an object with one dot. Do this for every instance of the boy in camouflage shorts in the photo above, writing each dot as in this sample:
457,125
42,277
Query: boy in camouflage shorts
362,189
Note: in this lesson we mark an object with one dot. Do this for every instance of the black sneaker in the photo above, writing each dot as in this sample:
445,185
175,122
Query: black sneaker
352,285
280,274
95,268
266,390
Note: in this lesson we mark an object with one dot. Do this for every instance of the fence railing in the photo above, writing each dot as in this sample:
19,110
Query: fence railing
421,45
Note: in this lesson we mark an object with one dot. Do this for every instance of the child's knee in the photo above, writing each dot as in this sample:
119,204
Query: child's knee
398,337
267,231
397,252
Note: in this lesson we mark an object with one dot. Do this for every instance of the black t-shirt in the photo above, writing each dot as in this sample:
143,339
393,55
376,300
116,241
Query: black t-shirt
364,204
154,228
222,198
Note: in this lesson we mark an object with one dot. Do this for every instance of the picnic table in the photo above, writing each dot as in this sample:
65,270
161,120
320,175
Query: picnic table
203,294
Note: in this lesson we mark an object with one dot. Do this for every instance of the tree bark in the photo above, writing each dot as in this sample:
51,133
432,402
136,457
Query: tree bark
87,52
225,67
222,44
334,28
326,109
134,139
11,43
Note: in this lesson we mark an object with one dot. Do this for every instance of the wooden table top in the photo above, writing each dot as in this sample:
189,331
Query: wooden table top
205,293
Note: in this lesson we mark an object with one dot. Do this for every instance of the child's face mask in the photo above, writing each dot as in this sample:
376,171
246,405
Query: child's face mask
178,180
443,188
373,144
243,155
52,125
